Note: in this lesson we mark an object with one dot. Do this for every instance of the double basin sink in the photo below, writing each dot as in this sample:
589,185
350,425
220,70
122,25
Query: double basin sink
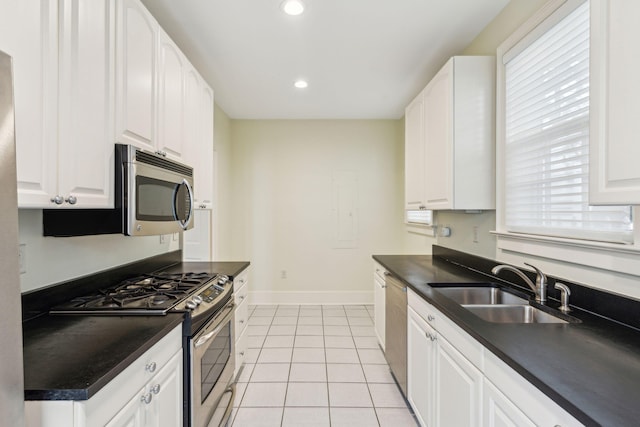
496,305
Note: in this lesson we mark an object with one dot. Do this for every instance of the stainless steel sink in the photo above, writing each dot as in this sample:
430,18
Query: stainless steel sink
466,295
512,314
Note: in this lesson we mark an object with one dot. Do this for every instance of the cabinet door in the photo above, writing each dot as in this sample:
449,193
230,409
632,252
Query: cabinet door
379,308
414,173
205,172
165,408
86,100
136,83
131,415
29,33
499,411
421,368
171,98
438,125
198,146
458,388
614,176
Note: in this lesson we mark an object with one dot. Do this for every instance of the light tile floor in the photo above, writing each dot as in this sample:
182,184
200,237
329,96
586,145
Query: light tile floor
316,366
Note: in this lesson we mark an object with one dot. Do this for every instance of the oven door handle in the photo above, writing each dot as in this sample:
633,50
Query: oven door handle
206,337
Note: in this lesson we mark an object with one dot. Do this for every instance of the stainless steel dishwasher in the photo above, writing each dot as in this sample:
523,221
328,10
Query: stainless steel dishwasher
396,330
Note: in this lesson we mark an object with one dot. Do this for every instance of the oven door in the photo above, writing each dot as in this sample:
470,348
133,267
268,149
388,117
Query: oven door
212,366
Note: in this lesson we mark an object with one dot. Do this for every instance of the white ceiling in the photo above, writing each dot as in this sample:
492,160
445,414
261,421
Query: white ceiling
364,59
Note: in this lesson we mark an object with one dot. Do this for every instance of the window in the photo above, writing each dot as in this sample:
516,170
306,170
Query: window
546,135
419,217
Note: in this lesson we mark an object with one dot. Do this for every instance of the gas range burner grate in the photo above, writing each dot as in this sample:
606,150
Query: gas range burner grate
145,293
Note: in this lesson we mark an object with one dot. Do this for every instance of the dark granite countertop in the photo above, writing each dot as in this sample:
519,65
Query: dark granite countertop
591,368
73,357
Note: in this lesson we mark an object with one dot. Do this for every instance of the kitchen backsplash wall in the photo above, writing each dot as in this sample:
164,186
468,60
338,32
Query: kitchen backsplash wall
49,260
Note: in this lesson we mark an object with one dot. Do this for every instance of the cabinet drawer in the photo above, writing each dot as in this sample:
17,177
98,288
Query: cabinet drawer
132,380
468,346
379,271
241,316
531,401
423,308
240,351
241,280
240,293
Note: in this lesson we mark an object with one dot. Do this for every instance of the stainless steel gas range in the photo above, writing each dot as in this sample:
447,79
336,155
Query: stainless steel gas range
207,303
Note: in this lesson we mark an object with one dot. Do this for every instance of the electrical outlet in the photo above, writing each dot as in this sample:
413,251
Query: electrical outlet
475,234
163,239
283,274
22,257
176,236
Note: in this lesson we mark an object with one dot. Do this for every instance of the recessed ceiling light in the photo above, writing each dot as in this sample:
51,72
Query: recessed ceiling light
292,7
301,84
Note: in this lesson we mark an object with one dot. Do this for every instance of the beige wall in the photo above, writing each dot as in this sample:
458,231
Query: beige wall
286,175
222,209
50,260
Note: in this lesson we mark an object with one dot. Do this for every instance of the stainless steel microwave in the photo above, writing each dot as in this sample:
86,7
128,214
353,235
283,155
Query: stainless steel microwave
153,196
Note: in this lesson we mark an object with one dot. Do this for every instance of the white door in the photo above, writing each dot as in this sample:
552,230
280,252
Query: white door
614,175
458,388
379,308
29,33
136,75
499,411
86,100
438,111
165,409
414,173
171,98
421,368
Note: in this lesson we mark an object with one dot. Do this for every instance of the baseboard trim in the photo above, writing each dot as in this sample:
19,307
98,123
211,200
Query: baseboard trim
309,298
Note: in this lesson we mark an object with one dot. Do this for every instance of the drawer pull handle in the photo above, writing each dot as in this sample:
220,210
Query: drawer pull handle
242,353
151,367
155,389
146,398
431,318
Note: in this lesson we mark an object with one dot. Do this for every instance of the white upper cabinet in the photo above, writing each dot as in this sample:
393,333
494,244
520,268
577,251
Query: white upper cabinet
63,67
136,82
29,33
171,99
459,132
414,158
198,119
614,103
86,102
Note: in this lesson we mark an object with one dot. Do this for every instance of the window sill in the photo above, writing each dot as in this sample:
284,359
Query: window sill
618,258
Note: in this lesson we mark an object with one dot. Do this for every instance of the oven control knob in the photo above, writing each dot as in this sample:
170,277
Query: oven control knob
197,299
191,304
223,279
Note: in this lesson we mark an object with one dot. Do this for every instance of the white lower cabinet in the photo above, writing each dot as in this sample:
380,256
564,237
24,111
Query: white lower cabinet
499,411
379,301
444,388
458,387
421,367
241,315
148,393
454,381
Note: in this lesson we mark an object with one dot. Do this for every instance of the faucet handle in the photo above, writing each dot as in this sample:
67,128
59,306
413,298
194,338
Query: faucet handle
564,296
541,277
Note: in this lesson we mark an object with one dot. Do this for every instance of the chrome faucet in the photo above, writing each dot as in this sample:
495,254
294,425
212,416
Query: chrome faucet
540,287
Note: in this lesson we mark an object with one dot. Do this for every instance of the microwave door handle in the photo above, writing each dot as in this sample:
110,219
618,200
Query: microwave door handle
190,217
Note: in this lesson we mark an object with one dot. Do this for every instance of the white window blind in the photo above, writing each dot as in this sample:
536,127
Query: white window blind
422,217
547,139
